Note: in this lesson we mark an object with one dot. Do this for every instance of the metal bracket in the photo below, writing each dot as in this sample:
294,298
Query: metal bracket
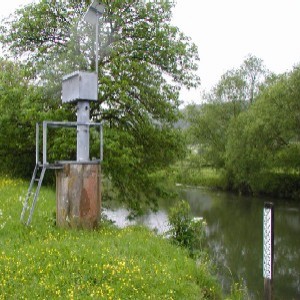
52,124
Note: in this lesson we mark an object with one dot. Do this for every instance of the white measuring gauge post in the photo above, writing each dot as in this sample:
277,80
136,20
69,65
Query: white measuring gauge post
268,240
268,249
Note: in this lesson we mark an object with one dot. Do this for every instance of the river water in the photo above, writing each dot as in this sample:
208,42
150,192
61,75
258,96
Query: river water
234,238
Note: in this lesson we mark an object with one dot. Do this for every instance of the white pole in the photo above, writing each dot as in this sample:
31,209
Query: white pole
268,249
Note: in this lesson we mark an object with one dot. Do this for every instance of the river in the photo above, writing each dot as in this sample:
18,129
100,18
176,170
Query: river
234,238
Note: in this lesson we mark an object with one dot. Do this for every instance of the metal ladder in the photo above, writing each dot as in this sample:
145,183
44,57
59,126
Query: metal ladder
37,176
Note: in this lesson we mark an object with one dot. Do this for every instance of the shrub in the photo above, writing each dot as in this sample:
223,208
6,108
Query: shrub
185,230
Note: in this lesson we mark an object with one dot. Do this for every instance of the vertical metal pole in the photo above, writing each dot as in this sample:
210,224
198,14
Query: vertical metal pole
97,45
37,146
268,249
101,143
83,133
44,143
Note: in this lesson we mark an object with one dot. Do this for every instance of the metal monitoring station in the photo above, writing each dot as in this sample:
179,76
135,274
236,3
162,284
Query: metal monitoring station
78,197
81,88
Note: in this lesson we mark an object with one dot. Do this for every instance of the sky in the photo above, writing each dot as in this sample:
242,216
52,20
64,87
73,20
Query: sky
226,32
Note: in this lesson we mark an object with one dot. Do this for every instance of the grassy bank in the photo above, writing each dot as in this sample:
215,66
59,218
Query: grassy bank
198,176
44,262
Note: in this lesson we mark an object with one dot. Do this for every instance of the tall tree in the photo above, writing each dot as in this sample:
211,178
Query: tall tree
262,152
254,74
232,95
208,131
144,62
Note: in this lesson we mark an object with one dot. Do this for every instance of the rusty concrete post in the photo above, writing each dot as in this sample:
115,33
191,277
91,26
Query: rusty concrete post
78,197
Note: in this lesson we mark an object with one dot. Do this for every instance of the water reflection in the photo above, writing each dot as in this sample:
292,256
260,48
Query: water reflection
156,221
235,241
235,238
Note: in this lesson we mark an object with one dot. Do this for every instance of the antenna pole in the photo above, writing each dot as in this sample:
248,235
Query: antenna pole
97,44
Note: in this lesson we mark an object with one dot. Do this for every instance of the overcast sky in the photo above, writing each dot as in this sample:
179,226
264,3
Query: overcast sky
227,31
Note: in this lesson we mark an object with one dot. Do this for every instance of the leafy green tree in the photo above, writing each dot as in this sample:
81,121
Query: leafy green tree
14,125
233,94
21,106
144,62
262,153
242,84
254,74
231,89
209,122
208,131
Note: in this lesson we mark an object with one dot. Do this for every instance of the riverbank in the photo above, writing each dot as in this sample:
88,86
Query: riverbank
110,263
204,177
278,185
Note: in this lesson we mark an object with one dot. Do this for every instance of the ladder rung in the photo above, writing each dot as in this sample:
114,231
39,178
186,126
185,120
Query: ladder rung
35,194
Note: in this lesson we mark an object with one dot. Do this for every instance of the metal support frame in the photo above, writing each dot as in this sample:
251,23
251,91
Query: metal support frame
40,168
51,124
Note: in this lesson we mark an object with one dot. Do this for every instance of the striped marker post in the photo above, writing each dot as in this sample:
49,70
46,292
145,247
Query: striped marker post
268,249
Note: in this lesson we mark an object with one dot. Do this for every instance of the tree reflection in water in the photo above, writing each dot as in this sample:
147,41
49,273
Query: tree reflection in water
235,240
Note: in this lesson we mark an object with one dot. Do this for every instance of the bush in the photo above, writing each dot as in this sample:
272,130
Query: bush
185,230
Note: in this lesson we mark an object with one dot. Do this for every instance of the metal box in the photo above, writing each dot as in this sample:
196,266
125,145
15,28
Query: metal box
80,85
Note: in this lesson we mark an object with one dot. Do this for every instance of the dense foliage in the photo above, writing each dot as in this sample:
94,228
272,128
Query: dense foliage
249,130
233,94
144,61
263,143
21,106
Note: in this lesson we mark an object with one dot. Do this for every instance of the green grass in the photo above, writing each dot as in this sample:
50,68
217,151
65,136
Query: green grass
45,262
199,176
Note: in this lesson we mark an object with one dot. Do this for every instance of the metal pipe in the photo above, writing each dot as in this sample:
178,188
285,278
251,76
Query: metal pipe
83,132
44,143
37,129
57,124
101,143
97,47
83,126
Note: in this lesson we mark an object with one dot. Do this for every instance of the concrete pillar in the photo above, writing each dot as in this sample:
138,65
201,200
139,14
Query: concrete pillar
78,197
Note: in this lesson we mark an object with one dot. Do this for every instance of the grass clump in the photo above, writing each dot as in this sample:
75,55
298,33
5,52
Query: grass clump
45,262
